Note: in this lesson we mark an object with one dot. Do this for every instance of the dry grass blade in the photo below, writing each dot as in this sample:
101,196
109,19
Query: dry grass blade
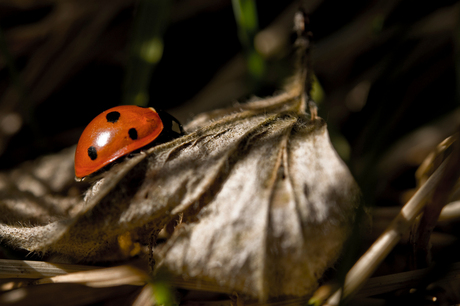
433,208
450,212
111,282
367,264
37,269
107,277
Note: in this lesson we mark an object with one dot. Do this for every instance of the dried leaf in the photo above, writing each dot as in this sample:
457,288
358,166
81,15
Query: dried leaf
279,217
39,192
265,202
277,203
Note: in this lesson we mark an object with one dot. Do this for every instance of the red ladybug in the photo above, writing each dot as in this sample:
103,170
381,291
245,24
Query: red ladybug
119,131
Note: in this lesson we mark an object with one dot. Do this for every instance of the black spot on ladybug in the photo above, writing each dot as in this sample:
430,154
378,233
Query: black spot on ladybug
132,133
92,153
112,117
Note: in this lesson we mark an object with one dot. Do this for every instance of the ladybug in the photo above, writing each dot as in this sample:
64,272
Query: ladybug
119,131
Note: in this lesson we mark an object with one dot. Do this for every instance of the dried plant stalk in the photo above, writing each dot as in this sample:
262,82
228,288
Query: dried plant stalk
367,264
432,210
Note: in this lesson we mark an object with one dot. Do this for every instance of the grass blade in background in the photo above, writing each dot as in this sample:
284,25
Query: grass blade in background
146,49
246,18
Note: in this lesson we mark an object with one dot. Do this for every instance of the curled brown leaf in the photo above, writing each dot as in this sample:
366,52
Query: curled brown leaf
276,213
267,203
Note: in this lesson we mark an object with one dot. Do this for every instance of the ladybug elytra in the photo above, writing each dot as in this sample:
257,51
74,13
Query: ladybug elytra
119,131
